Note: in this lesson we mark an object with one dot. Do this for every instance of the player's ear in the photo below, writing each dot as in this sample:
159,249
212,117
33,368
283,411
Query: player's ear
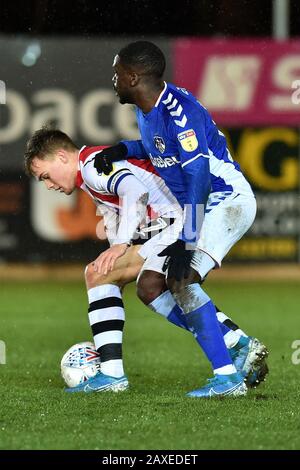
134,78
62,155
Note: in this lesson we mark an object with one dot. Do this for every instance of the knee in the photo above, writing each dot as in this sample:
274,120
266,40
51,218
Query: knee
187,293
92,278
89,275
178,287
150,286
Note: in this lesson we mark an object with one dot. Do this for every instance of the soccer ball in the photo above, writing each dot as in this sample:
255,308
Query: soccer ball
80,363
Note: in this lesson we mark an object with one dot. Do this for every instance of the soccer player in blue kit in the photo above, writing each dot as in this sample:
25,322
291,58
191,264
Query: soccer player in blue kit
189,152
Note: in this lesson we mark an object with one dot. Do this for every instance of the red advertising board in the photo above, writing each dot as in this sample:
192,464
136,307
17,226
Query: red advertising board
242,82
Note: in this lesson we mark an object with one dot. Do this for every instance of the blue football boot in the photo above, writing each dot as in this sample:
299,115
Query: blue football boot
221,386
101,383
249,357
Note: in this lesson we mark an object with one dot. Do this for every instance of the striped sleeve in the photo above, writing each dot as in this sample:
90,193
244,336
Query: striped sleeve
115,179
105,183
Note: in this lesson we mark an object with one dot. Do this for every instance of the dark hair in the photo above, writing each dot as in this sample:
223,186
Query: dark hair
43,143
145,55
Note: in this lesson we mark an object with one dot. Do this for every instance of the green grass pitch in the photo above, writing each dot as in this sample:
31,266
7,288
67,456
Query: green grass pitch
40,321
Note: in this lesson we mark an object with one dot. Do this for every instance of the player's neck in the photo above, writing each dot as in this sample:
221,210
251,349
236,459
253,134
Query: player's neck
74,157
148,98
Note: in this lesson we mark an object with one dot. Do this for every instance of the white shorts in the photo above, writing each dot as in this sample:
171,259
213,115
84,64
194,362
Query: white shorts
228,216
150,250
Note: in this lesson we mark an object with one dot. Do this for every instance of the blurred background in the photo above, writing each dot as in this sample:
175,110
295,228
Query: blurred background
241,58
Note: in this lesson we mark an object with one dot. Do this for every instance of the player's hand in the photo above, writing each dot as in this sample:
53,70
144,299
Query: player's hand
178,260
103,161
106,261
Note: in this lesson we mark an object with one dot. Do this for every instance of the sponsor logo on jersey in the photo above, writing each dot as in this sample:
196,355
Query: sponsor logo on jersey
188,140
159,143
160,162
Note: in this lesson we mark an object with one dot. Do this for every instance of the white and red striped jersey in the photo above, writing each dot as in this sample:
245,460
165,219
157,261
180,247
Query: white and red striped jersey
124,187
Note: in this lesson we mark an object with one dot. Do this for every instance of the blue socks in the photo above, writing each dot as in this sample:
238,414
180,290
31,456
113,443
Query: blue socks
204,324
201,321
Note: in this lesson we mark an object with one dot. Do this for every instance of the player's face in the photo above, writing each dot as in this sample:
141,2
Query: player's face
121,82
55,172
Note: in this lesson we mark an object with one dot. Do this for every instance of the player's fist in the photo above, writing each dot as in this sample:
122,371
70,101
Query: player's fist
103,160
178,260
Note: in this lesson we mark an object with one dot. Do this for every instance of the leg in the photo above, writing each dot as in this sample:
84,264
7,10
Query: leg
126,269
106,309
201,319
203,264
153,292
228,216
200,315
107,317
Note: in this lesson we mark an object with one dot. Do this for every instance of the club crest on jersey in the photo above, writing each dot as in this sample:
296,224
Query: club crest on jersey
188,140
159,143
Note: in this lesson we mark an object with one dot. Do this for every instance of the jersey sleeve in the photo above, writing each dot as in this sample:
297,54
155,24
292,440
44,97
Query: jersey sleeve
133,196
105,183
111,222
135,149
133,211
189,133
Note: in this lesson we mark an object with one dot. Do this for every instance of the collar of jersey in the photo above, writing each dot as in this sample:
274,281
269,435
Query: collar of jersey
149,115
161,95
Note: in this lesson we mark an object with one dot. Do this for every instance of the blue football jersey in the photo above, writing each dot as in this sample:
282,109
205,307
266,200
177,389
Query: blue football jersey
177,134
